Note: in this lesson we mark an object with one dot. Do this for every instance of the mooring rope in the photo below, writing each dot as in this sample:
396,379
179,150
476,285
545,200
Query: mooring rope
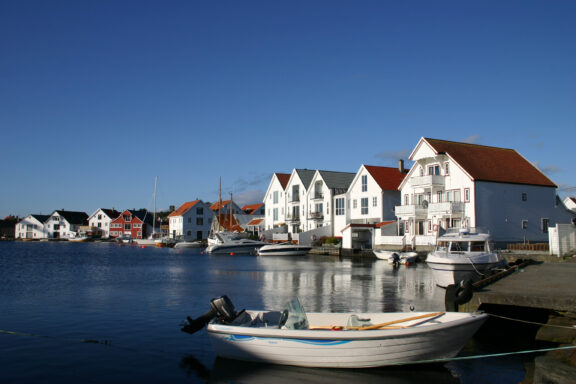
89,341
573,327
474,357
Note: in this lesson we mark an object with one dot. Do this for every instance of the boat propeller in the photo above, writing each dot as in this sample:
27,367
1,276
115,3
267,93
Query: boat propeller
221,308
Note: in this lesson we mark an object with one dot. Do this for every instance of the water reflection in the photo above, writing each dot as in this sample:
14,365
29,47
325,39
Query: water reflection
230,371
329,285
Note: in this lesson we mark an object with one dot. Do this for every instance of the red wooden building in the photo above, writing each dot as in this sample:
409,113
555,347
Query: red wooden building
133,224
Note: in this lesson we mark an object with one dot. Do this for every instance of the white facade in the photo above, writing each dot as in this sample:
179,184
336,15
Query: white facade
275,203
192,221
31,228
570,203
441,192
60,226
101,219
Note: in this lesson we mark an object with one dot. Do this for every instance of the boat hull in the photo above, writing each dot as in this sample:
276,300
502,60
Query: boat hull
226,249
283,250
446,274
345,349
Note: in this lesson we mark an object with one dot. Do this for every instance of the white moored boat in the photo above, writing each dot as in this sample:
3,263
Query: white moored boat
188,244
334,340
396,257
227,243
461,255
284,249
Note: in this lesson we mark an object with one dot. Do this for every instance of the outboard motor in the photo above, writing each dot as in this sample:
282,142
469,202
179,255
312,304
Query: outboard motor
220,308
395,259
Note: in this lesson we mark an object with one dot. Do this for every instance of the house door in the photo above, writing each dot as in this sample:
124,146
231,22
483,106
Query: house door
199,235
420,226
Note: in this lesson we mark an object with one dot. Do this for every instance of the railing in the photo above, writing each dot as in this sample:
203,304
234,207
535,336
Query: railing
428,180
318,196
295,199
447,208
316,215
290,217
410,210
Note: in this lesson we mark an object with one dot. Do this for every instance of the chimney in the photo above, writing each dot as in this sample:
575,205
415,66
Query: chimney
401,166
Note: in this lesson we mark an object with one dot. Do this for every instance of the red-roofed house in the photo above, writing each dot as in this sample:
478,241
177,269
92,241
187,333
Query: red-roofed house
191,221
454,184
367,205
275,202
254,209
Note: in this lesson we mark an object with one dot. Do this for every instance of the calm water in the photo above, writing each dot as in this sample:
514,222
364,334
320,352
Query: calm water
103,312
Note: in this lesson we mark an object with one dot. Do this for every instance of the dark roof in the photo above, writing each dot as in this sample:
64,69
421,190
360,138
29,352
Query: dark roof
339,182
74,217
40,218
494,164
306,176
112,213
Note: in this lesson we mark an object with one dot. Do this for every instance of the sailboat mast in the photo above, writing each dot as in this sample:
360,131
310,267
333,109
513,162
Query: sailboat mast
220,204
154,216
230,211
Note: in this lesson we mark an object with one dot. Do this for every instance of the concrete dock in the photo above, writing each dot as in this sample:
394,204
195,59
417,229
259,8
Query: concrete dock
548,286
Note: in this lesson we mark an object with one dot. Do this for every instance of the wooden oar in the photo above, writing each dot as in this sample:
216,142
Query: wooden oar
382,325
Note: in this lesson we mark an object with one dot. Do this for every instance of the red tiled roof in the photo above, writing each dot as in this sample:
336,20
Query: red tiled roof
183,208
219,205
255,221
252,208
485,163
388,179
383,223
283,178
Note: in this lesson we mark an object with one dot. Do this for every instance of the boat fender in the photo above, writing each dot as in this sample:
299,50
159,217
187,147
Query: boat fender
459,293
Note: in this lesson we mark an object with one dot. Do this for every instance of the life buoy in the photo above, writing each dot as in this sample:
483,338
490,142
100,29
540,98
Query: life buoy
435,227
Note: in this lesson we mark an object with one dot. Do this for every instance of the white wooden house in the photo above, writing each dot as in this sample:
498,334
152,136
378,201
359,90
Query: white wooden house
101,219
65,224
275,201
320,209
191,221
31,227
367,205
454,184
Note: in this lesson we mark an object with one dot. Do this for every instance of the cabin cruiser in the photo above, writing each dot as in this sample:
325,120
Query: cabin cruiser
228,243
284,249
461,255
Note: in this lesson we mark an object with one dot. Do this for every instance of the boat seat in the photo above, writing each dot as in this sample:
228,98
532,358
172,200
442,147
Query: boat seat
355,321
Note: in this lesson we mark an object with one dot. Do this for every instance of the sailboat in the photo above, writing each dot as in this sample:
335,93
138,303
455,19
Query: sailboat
154,237
223,240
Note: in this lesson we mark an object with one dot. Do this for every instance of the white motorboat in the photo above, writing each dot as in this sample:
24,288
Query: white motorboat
228,243
393,257
461,255
188,244
284,249
334,340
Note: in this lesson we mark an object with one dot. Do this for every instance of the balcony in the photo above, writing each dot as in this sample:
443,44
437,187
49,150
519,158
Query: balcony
447,208
318,196
427,181
316,215
424,210
410,210
293,218
294,199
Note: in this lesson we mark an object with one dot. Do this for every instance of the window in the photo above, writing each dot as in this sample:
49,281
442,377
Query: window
295,193
127,226
364,206
449,196
433,169
446,169
189,220
545,225
355,204
199,221
375,201
406,199
524,224
457,195
340,206
275,194
275,214
467,195
200,210
439,196
524,197
364,183
127,218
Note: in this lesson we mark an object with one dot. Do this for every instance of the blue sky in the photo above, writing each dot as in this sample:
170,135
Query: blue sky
99,97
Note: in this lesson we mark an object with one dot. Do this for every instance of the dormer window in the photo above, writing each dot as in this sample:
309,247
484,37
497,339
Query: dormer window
364,183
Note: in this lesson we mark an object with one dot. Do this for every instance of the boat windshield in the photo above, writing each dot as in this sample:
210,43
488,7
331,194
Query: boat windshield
295,315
